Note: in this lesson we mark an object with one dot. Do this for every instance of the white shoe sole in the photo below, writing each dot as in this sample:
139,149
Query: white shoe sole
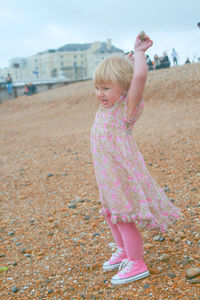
130,279
111,267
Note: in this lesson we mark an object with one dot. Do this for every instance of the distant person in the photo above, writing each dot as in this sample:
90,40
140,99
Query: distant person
164,61
187,61
31,89
149,63
174,56
26,89
157,64
9,84
128,193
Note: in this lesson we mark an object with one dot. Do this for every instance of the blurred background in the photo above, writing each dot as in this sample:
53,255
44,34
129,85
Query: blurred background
65,40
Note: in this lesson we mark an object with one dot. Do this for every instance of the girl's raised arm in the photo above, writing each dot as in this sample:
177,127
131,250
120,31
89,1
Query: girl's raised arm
136,89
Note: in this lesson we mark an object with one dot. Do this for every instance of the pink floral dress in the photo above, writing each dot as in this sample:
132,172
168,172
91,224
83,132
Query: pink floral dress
127,191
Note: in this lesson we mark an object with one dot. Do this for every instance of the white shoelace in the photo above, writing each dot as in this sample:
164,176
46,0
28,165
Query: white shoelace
113,246
126,266
117,253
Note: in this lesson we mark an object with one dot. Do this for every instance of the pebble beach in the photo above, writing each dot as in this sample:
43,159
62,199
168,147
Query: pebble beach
53,241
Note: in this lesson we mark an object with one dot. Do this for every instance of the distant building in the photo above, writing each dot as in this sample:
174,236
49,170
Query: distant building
18,62
70,62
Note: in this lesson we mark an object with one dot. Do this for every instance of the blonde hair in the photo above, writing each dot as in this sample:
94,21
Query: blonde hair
115,69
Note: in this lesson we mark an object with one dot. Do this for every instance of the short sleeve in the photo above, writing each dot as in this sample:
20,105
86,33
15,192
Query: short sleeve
136,114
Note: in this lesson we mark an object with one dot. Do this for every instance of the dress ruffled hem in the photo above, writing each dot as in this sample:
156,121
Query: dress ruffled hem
148,221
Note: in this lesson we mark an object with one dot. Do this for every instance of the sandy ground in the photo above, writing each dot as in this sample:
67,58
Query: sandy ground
53,240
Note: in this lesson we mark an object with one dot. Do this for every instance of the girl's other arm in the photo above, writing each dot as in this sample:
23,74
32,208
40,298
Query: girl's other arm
140,74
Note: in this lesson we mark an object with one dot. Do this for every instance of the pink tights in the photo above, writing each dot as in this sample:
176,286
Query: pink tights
127,237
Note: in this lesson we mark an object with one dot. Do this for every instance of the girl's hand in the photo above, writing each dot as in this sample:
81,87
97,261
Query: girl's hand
144,44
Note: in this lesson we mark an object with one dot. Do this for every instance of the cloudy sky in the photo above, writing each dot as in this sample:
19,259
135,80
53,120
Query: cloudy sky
28,27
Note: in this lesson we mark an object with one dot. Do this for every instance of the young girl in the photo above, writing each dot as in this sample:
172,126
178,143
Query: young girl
128,192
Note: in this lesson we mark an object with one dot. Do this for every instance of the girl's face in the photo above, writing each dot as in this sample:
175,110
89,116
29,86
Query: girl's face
108,93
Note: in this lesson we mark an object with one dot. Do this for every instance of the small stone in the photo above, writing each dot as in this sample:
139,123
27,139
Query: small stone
177,240
169,283
38,257
15,289
166,189
194,280
146,286
158,238
50,233
171,237
50,291
142,36
148,246
188,243
55,225
22,250
171,275
156,270
32,222
75,241
83,296
193,189
11,233
41,253
189,259
182,235
27,255
49,175
192,272
73,206
50,219
164,257
29,250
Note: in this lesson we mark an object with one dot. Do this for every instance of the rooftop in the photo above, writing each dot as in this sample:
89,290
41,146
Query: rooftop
83,47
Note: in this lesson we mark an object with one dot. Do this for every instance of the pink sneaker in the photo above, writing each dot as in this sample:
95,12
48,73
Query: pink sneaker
115,260
130,271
